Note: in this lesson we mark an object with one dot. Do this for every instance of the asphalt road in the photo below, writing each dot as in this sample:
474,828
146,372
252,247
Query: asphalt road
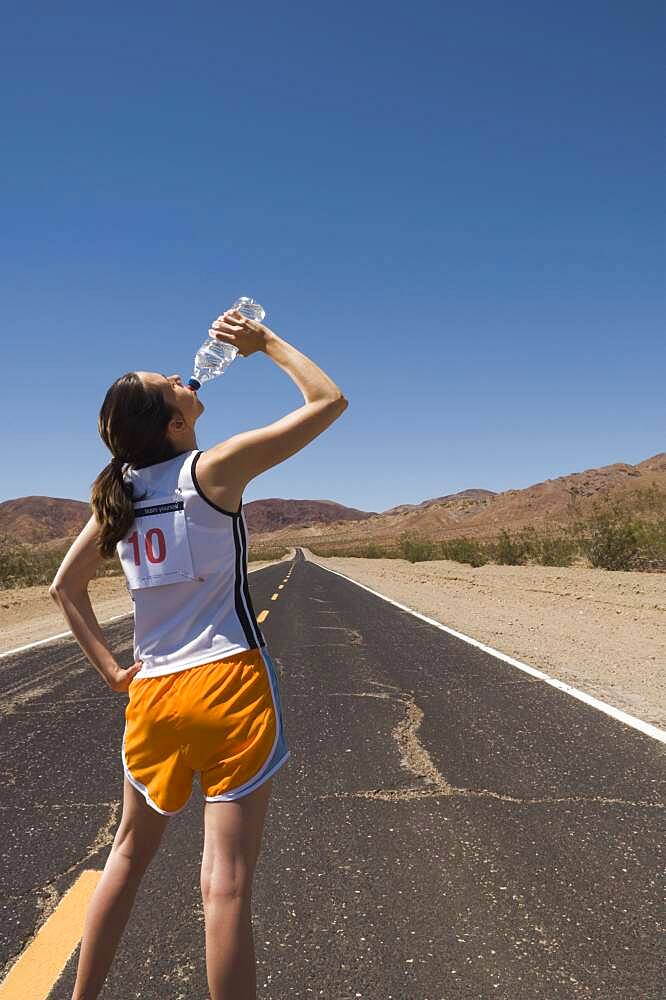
446,827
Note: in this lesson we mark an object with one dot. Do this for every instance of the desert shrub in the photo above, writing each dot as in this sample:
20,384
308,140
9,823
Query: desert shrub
22,565
628,532
612,545
651,537
373,551
608,536
557,550
29,565
615,538
512,550
465,550
417,551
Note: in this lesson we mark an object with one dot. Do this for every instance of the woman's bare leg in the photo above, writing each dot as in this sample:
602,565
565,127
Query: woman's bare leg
232,832
134,845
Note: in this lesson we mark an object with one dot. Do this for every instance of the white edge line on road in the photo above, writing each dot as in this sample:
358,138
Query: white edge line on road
63,635
630,720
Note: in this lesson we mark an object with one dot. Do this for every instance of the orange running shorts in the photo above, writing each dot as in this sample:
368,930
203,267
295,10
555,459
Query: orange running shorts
223,719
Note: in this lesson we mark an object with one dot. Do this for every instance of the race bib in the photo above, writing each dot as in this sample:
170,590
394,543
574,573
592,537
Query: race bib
157,549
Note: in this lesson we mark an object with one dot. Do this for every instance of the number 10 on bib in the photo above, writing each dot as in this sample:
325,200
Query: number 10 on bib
156,551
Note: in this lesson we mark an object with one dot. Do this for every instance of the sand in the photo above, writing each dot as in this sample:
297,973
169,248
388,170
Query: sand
602,632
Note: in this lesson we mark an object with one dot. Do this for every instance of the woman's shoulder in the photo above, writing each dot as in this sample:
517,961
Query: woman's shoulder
214,482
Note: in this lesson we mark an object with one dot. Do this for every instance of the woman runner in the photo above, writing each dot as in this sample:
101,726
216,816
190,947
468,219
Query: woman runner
203,691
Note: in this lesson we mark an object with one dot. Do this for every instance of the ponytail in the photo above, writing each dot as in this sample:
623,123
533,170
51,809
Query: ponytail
111,500
132,422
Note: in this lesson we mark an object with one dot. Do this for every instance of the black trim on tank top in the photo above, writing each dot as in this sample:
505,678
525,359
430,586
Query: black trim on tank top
250,637
229,513
246,588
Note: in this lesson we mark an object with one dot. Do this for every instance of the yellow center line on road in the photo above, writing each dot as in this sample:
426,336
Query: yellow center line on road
34,974
262,616
275,597
280,586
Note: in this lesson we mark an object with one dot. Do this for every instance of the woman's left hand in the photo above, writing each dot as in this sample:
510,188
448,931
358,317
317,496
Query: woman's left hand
246,335
121,679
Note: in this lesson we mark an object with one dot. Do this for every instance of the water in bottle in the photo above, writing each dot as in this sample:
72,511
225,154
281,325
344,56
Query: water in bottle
214,356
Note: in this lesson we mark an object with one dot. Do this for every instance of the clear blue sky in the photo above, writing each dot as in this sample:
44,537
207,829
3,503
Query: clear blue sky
455,209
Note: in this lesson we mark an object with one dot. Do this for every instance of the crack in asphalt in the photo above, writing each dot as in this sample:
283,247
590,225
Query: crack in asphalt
415,758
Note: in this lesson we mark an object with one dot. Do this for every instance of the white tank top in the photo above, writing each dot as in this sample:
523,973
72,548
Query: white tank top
185,562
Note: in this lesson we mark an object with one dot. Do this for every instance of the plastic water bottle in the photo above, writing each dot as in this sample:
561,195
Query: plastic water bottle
214,356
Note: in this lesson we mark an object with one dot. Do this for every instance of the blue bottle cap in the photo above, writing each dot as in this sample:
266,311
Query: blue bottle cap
194,383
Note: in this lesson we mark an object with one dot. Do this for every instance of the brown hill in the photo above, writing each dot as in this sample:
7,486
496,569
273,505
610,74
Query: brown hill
274,513
473,513
40,519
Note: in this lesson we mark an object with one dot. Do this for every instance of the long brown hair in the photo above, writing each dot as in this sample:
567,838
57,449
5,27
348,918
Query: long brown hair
132,424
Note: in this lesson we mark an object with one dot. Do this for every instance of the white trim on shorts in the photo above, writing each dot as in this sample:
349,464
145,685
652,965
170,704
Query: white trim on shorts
142,788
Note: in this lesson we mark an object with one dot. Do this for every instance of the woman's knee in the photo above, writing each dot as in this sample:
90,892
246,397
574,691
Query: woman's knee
226,881
232,838
136,843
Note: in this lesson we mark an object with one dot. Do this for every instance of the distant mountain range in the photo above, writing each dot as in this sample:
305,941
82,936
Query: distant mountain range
474,512
52,519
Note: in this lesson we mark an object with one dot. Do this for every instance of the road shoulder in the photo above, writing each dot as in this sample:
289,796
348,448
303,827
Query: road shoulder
602,632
